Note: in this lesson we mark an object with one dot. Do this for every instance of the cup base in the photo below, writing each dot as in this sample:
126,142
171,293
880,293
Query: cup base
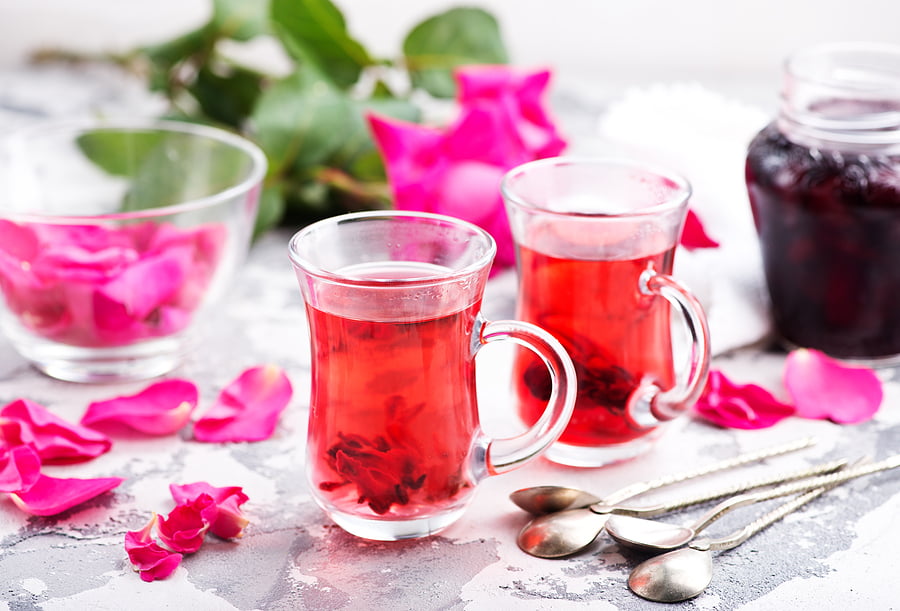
394,530
105,365
601,456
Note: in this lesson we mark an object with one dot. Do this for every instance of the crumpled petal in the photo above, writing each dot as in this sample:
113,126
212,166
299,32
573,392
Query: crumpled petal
824,388
55,439
20,468
694,234
151,561
746,406
230,521
160,409
52,495
184,529
248,408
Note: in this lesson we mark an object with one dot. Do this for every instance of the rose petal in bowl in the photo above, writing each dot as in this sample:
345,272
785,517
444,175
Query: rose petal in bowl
160,409
824,388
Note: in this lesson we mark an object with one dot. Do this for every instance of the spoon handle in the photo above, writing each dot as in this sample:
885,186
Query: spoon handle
764,521
742,459
811,488
728,491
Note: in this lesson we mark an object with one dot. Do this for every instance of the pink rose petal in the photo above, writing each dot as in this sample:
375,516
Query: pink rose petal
823,388
20,468
694,234
55,439
185,527
160,409
230,521
745,406
150,560
248,408
51,495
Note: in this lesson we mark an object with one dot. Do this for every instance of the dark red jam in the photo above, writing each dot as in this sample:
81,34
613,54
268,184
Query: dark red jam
829,227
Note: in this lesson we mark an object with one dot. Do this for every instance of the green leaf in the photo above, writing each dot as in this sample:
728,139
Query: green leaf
118,153
457,37
165,56
301,120
228,98
357,142
164,168
314,32
271,209
241,19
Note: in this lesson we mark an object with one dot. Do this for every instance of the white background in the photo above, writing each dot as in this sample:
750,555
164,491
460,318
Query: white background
733,45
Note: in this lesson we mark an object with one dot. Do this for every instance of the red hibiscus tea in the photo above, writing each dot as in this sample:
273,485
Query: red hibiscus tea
616,337
595,242
394,447
393,410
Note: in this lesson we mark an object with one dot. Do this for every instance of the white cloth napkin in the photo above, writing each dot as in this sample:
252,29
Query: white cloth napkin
704,136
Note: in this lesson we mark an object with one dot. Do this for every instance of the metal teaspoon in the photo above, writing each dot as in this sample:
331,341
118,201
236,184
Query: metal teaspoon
567,532
685,573
541,500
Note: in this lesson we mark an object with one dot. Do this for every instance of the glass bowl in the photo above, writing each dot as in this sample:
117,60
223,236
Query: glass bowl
117,240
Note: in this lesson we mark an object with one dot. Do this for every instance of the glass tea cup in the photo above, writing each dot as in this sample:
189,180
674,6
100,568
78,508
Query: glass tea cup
117,240
595,242
394,446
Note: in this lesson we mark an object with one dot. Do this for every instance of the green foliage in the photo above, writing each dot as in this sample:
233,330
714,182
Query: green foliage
311,123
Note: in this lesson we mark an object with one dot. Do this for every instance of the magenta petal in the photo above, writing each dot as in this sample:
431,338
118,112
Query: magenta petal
55,439
745,406
150,560
184,529
230,521
51,495
160,409
20,468
694,234
248,409
823,388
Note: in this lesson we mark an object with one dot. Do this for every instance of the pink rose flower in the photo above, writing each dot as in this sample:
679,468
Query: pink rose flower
184,529
230,521
456,171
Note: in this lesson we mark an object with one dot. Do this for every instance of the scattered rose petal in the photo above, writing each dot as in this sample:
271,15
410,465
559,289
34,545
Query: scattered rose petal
51,495
248,408
822,387
230,521
185,527
160,409
151,561
746,406
55,439
20,468
694,234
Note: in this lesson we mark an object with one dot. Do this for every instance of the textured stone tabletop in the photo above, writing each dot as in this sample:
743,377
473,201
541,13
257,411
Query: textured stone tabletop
841,551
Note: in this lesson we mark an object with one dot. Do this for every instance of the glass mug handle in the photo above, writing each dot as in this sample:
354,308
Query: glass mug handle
506,454
649,404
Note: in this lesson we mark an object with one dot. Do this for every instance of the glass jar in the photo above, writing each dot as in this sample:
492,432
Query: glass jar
824,186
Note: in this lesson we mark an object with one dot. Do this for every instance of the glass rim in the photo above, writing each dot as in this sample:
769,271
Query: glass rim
318,271
254,153
678,200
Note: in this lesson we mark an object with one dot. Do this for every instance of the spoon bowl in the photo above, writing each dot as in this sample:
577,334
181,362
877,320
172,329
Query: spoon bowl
562,533
674,576
541,500
647,535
